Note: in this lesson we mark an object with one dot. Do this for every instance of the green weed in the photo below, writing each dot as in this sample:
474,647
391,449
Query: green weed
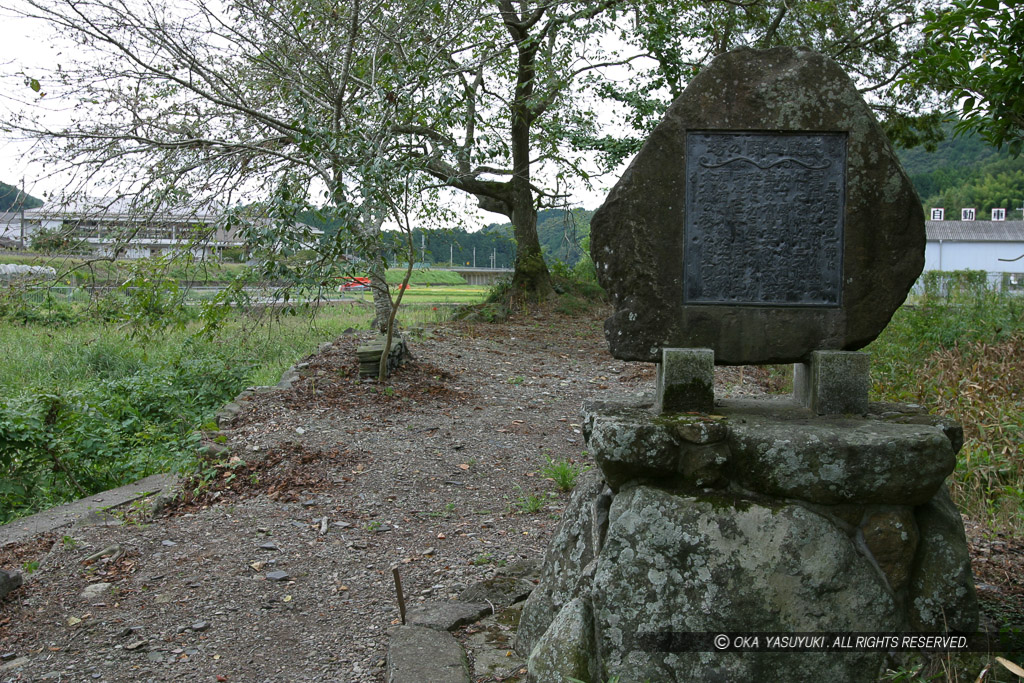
956,353
952,668
563,473
449,510
530,503
84,410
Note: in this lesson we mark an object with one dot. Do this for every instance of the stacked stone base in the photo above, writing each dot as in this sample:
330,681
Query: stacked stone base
369,355
763,518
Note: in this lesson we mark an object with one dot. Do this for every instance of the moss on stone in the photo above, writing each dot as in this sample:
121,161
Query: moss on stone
687,396
676,420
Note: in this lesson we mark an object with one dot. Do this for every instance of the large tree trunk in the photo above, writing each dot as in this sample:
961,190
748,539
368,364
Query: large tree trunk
531,281
370,226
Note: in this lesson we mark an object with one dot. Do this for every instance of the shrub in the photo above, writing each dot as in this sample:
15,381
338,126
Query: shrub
957,353
955,284
500,292
60,444
584,270
51,241
233,254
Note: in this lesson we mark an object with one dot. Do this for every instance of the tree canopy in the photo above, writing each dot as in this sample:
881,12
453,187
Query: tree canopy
874,40
973,53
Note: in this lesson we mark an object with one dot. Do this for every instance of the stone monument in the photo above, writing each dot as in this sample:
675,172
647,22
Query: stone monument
766,220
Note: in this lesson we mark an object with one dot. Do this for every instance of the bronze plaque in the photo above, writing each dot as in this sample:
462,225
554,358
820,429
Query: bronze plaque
764,218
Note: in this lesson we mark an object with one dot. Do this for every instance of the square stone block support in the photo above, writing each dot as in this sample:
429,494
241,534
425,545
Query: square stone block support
834,382
686,381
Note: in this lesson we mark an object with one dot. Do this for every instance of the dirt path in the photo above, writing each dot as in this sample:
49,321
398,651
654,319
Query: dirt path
438,474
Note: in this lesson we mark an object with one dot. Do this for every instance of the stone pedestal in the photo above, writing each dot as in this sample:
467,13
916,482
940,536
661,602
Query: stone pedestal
762,518
819,513
686,381
833,382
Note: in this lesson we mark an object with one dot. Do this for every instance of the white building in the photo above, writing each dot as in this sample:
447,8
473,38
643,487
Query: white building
103,227
996,247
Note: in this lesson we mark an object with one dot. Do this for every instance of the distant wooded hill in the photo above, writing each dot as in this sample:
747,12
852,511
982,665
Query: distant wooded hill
10,199
964,172
561,232
481,249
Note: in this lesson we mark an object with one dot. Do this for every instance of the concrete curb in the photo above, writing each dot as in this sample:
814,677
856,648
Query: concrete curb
90,510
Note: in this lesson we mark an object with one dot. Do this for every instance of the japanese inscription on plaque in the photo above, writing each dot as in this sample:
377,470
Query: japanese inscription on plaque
764,218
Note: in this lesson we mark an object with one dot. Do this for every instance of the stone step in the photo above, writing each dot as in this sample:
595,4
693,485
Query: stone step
446,615
488,634
96,509
417,654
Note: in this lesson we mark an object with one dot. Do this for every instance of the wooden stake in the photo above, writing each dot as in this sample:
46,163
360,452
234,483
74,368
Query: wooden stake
401,598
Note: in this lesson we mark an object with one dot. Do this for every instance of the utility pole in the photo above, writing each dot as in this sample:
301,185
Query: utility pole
474,257
21,195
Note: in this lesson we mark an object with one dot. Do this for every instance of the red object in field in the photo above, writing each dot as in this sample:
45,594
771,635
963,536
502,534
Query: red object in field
354,283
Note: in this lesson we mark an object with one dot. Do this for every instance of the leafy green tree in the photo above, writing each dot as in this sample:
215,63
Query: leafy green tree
500,122
273,110
973,53
874,40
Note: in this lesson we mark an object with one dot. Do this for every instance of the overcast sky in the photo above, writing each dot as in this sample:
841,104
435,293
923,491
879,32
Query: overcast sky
27,46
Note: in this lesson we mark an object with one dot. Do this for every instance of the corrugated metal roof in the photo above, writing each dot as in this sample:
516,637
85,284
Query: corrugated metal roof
975,231
122,207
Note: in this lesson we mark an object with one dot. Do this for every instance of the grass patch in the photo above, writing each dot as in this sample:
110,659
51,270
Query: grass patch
428,294
957,352
424,276
576,297
86,408
562,472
